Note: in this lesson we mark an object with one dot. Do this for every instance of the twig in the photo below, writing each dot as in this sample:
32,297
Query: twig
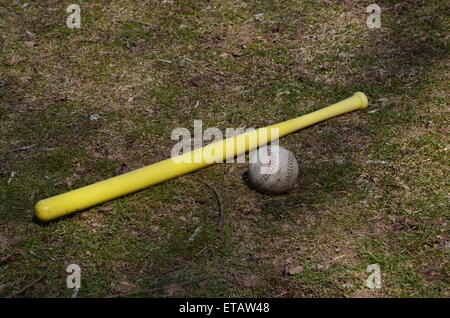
336,258
165,61
202,250
219,202
9,257
188,59
30,285
24,147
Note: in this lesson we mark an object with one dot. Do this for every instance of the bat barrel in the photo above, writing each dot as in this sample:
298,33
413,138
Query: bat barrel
91,195
358,101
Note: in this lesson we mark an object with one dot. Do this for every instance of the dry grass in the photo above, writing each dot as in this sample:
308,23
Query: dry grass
217,61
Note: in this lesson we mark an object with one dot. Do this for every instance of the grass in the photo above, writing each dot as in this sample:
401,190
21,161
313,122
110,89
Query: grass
372,188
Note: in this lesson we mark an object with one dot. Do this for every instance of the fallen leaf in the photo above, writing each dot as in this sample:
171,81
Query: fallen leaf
106,209
187,10
122,287
251,281
237,53
79,169
294,270
9,257
122,169
135,50
59,184
72,180
14,60
201,80
39,288
174,290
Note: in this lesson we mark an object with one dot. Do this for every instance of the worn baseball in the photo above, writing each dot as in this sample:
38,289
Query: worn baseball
273,170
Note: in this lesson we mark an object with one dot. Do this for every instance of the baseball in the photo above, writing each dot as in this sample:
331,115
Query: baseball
273,170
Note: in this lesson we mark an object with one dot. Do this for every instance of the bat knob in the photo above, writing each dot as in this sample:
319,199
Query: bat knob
42,211
363,98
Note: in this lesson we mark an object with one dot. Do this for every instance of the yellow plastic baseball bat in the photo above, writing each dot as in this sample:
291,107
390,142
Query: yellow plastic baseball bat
91,195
